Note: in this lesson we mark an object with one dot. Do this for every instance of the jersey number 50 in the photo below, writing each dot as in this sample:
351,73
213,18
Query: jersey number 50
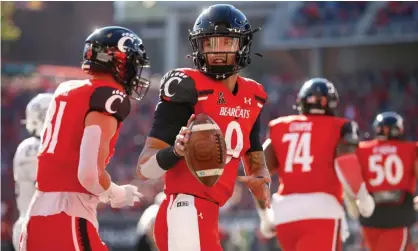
50,132
299,151
389,169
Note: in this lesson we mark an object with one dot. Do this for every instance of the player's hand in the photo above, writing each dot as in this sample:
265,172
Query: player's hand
366,205
416,203
131,196
183,137
258,187
267,226
267,229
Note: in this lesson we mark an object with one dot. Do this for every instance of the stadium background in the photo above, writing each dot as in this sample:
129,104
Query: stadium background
368,49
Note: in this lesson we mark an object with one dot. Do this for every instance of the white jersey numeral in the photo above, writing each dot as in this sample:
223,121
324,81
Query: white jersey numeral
391,169
233,128
299,151
51,133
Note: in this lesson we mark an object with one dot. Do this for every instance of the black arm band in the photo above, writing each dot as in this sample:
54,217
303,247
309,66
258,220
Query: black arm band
167,158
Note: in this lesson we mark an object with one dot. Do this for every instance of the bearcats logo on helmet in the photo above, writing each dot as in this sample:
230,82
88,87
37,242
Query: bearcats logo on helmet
123,39
117,95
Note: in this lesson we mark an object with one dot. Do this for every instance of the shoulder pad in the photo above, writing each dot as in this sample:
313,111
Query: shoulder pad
274,122
362,144
176,86
259,92
350,132
28,148
111,101
286,120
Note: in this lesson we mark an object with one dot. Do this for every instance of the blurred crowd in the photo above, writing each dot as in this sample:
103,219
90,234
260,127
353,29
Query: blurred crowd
336,19
326,19
396,16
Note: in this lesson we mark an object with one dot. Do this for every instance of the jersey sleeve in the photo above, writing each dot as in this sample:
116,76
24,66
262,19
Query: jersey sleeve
178,95
260,94
272,130
111,101
255,143
177,87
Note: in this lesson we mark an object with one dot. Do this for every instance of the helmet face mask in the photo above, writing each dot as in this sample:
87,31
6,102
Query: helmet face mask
216,25
218,53
388,125
119,52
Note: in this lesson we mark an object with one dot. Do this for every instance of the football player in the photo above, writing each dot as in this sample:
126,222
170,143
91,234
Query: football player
390,167
221,42
314,156
78,139
145,226
25,161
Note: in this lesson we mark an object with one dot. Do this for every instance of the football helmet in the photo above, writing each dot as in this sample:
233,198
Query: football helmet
36,113
317,96
217,21
120,52
388,125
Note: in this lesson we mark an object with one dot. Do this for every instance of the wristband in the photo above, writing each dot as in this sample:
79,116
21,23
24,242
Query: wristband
167,158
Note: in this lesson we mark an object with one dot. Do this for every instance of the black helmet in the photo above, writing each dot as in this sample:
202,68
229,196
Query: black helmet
388,125
120,52
317,96
221,20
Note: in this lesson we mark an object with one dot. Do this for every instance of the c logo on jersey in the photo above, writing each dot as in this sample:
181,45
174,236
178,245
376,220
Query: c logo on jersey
174,76
116,95
123,39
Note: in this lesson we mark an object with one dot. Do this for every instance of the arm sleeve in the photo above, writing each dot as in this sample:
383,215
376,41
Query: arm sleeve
110,101
261,97
168,120
178,95
255,143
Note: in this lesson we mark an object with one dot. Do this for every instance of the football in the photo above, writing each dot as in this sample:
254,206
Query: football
205,150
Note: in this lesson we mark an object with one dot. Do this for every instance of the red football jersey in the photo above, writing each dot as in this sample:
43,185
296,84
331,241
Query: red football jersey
305,147
388,165
64,126
234,114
